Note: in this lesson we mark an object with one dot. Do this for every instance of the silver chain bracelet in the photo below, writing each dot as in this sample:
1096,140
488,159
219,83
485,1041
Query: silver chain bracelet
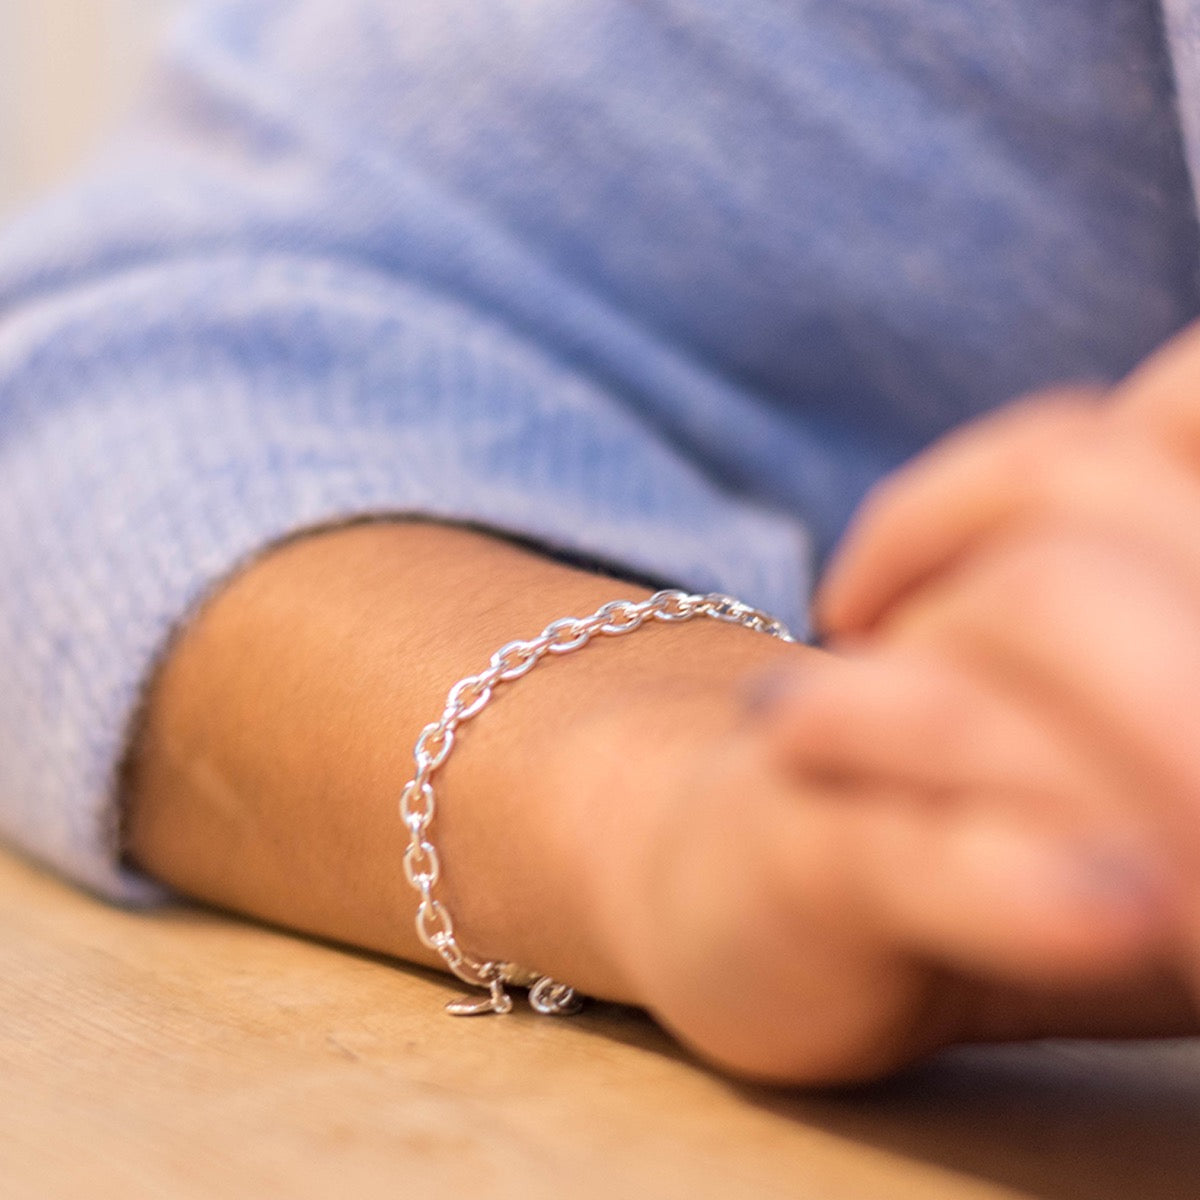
465,700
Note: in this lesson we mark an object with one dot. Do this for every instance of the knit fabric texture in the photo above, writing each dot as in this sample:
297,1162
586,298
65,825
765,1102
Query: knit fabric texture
664,283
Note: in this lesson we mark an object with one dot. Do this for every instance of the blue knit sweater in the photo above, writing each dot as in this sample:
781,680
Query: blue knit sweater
665,282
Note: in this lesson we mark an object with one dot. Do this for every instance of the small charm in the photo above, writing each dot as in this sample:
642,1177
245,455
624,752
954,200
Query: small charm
496,1001
546,996
477,1006
554,999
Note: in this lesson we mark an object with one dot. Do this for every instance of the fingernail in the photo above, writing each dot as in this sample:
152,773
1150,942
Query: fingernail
1112,876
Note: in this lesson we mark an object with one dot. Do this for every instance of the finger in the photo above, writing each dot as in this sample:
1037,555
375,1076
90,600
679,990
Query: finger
1162,396
1008,899
975,889
946,500
896,719
1102,644
1120,485
887,721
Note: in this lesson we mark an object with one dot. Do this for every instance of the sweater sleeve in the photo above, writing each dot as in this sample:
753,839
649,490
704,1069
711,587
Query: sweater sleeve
242,323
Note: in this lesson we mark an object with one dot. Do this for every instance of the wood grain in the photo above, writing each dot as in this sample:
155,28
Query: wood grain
185,1054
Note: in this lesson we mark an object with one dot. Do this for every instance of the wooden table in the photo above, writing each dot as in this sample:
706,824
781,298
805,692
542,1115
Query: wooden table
184,1054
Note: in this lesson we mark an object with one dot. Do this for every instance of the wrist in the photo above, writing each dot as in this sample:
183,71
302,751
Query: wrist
621,789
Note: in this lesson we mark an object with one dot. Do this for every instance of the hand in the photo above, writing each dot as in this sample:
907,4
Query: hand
881,859
1051,552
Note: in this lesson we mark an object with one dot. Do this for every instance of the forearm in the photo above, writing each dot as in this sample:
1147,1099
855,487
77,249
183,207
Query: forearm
281,729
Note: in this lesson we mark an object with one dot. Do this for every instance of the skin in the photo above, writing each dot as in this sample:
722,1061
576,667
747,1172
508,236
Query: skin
812,866
1079,511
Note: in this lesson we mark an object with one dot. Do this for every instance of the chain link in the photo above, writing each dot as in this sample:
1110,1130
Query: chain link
465,700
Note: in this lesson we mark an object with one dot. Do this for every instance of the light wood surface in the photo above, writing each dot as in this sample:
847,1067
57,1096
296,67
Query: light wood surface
185,1054
69,70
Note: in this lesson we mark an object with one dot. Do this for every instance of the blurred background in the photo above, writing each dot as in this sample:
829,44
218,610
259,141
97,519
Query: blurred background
68,69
